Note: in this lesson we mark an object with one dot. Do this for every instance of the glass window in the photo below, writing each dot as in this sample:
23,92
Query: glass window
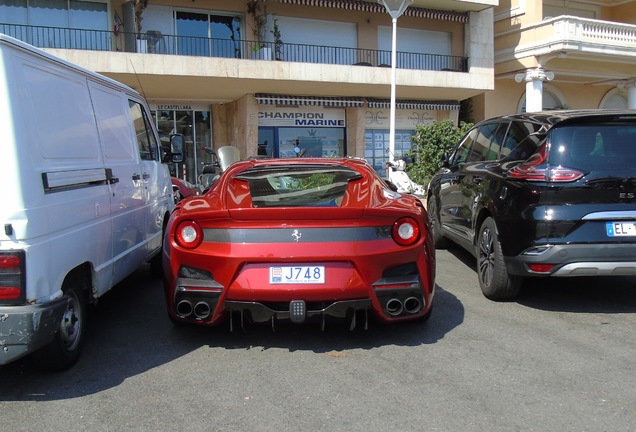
516,134
145,138
197,139
208,35
481,147
58,23
13,11
298,186
89,16
50,13
313,142
376,147
265,142
594,146
463,150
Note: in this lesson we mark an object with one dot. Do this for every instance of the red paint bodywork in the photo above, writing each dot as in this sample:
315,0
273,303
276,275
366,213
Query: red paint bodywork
240,270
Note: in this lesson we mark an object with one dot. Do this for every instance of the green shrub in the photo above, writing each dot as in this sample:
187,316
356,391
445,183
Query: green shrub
429,144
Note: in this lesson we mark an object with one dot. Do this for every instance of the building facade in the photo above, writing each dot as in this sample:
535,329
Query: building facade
552,54
274,76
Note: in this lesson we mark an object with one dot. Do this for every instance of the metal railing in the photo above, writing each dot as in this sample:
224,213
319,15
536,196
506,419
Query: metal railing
153,42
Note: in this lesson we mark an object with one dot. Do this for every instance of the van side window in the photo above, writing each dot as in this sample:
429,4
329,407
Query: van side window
148,148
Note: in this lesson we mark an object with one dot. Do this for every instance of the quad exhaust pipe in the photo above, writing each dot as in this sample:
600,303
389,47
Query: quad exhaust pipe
394,307
201,310
184,308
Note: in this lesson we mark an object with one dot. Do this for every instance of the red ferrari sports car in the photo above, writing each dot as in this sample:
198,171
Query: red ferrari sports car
299,239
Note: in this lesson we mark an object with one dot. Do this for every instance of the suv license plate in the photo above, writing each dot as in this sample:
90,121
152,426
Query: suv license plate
297,275
620,229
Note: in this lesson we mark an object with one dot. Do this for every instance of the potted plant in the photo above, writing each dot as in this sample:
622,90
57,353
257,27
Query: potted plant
278,42
260,50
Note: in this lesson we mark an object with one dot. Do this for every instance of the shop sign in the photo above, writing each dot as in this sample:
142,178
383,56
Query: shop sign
301,116
178,107
404,119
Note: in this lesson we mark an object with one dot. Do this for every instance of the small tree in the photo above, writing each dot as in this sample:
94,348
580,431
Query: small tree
139,6
429,144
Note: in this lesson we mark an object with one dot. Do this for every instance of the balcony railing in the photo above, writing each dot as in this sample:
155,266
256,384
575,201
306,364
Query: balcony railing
153,42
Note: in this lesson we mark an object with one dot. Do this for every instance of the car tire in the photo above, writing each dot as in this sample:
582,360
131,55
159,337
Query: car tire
439,240
65,348
494,280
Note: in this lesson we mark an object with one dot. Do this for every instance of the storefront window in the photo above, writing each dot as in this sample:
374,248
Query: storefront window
313,142
376,147
309,131
195,126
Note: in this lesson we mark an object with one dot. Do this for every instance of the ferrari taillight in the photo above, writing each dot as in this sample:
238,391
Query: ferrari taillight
188,234
406,231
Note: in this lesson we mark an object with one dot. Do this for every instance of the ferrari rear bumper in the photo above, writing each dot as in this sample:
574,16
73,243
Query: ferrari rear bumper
297,311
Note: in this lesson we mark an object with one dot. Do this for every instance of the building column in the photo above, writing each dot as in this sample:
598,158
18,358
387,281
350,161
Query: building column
534,79
630,85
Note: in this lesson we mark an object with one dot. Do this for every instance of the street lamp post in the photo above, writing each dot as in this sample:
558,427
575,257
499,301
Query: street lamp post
395,8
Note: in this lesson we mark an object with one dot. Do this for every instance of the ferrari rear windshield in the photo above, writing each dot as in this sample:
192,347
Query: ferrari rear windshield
298,185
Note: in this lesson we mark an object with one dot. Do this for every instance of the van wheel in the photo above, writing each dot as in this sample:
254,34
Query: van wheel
439,240
494,280
65,348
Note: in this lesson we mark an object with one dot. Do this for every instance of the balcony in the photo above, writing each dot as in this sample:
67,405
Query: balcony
156,43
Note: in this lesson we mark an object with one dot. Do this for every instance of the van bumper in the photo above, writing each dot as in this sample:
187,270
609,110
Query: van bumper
24,329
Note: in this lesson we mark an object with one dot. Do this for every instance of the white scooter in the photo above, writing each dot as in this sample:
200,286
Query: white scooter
221,161
401,180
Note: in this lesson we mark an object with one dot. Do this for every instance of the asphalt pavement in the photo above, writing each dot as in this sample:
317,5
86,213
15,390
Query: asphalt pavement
561,358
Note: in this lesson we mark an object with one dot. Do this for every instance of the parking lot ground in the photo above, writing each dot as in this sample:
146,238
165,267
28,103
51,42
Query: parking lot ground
561,358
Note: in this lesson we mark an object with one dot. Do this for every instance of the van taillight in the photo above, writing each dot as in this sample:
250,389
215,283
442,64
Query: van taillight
529,170
12,277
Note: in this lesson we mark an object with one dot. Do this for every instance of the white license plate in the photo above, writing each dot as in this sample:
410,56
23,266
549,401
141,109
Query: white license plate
297,275
620,229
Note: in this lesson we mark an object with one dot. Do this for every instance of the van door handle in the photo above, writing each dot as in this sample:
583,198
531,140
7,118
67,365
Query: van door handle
136,177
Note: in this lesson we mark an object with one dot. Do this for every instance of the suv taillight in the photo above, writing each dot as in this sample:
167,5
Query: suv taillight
530,170
12,277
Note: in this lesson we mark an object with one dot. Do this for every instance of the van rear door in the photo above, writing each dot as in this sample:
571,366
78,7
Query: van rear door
121,158
156,184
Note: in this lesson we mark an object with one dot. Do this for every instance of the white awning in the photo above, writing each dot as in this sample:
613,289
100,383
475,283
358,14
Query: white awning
363,6
414,104
325,101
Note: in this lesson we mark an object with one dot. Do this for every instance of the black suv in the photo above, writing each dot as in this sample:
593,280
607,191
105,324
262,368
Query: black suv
541,194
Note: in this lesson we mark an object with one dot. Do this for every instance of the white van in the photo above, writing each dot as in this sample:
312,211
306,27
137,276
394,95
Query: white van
85,194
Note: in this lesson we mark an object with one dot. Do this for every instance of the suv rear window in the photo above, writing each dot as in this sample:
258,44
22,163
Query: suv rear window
298,186
594,146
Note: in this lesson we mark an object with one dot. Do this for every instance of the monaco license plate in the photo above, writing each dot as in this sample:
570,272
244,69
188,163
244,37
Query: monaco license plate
620,229
297,275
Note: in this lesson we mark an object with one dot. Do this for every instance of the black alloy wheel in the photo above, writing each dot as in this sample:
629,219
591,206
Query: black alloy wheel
494,280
